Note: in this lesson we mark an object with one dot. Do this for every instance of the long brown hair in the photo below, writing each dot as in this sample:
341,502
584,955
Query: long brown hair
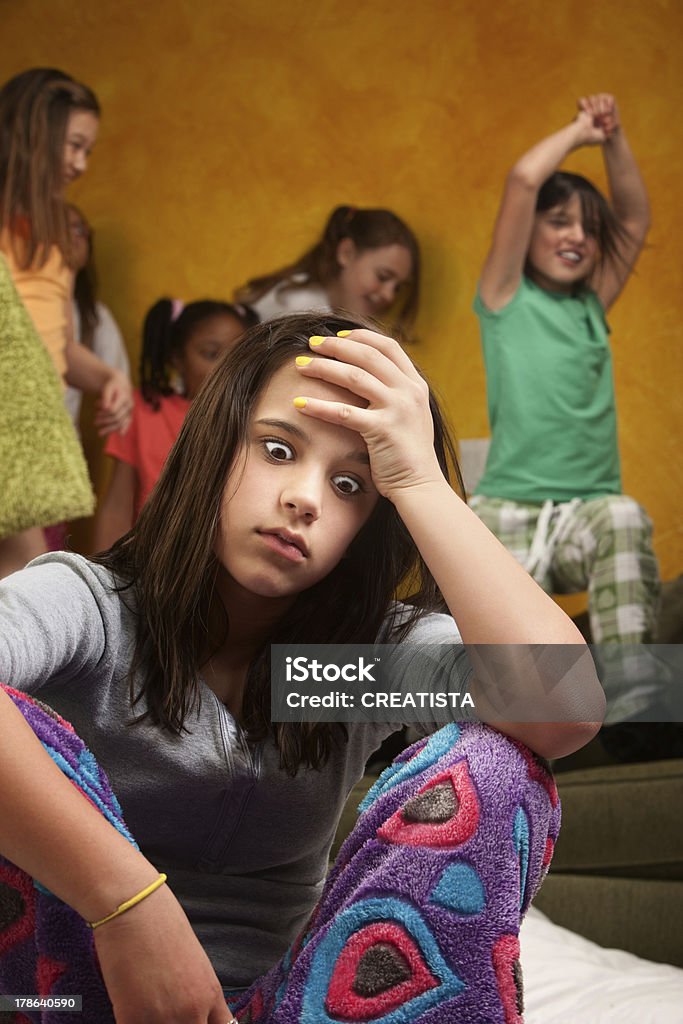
34,112
367,229
85,282
168,556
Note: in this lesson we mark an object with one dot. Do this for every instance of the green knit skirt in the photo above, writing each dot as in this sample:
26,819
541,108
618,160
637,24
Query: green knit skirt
43,475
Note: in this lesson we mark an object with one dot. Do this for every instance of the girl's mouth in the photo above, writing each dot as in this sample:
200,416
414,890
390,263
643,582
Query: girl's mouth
570,256
287,545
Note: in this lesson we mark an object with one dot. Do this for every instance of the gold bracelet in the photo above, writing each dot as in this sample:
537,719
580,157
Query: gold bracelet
130,903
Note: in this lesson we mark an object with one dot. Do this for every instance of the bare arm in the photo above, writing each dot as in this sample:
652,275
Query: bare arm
509,624
88,373
628,196
115,512
504,263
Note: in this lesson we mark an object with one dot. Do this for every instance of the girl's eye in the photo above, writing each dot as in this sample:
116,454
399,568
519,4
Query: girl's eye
279,451
346,484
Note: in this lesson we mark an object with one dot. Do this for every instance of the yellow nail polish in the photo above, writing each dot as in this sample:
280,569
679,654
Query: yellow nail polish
300,403
316,340
343,334
303,360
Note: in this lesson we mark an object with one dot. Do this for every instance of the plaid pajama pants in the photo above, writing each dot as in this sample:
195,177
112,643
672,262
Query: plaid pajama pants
603,546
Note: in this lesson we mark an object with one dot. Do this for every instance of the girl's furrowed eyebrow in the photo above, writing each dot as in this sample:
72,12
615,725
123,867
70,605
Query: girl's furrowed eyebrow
291,428
358,456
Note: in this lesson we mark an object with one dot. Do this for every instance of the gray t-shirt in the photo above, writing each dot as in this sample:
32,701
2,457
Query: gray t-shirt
245,846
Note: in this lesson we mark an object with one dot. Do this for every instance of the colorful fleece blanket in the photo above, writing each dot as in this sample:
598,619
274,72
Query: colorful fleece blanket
419,919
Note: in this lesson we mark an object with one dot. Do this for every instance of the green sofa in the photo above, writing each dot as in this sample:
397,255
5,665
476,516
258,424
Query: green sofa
617,873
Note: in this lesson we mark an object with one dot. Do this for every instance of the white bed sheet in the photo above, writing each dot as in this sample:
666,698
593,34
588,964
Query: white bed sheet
570,980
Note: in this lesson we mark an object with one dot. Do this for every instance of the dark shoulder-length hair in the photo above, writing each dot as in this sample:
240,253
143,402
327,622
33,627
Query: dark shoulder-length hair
34,111
168,557
597,215
372,228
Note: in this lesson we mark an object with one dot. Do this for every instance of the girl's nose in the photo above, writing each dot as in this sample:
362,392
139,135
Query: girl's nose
302,497
577,232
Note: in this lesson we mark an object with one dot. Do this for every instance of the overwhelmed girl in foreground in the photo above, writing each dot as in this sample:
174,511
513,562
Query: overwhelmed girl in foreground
367,262
551,491
308,483
48,126
180,347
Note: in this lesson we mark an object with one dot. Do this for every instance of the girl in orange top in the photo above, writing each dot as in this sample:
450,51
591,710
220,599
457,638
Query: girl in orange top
48,126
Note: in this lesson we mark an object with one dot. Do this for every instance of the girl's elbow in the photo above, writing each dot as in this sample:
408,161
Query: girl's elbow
568,737
521,178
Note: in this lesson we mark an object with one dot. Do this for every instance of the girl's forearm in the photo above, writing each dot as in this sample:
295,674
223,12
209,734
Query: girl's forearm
628,193
85,370
491,597
534,677
49,829
541,160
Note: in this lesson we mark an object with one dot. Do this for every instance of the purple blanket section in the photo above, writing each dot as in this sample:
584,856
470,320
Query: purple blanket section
430,887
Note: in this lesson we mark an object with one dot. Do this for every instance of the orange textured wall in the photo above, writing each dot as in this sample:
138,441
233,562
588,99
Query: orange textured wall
230,129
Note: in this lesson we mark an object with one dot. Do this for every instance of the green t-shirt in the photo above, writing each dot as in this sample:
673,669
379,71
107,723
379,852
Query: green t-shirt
550,398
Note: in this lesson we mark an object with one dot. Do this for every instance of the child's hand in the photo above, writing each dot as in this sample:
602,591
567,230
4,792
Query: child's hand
396,425
589,131
155,969
115,405
602,109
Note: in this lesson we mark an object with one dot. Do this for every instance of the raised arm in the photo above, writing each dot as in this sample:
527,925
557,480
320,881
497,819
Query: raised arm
628,197
505,261
490,596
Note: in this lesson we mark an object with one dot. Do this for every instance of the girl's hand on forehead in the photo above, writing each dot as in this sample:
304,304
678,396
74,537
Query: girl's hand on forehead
397,423
602,109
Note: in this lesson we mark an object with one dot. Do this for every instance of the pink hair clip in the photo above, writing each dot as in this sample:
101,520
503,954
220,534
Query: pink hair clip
177,306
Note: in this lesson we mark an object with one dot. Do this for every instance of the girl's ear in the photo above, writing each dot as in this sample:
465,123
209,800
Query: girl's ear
346,252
